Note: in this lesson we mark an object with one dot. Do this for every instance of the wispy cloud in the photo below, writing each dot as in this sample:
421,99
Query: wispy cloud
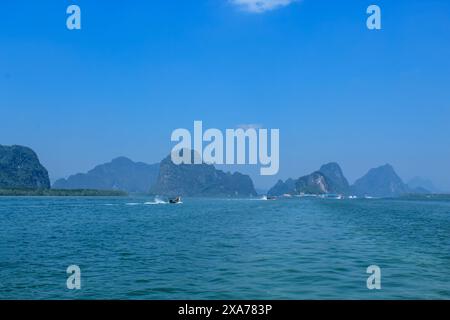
259,6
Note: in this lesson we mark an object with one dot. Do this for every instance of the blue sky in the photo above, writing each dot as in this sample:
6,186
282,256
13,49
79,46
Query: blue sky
140,69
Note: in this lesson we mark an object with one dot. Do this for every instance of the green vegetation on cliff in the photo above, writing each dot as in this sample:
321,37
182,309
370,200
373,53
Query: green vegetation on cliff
20,168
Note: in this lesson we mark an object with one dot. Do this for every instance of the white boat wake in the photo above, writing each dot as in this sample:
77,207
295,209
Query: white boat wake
156,201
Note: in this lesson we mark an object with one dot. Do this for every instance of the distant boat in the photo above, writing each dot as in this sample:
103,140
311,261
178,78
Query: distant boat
271,198
175,200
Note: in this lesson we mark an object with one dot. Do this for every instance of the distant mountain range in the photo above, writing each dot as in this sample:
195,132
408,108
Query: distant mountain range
119,174
380,182
418,183
20,168
165,178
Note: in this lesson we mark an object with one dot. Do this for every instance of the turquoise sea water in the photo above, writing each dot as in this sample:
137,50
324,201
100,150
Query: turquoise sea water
223,249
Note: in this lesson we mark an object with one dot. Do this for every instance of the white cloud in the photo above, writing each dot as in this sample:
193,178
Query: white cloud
259,6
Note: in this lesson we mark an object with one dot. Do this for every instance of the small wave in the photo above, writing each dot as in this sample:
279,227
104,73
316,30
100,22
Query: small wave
132,204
